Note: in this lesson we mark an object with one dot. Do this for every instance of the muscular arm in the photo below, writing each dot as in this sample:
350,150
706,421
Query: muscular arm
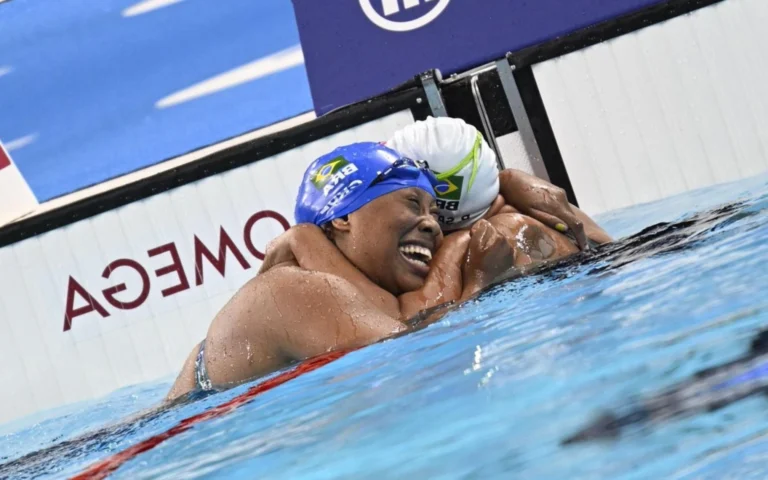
286,315
444,281
308,247
312,250
454,275
591,228
532,241
545,202
472,260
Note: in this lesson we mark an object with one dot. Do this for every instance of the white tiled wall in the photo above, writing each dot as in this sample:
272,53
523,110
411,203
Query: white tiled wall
44,366
672,107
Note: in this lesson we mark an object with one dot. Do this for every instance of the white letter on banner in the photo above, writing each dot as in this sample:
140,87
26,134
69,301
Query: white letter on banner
390,7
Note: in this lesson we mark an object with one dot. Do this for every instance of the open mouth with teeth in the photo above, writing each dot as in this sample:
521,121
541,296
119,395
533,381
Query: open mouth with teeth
416,255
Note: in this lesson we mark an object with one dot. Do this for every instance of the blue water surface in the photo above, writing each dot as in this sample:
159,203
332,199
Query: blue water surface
491,389
82,82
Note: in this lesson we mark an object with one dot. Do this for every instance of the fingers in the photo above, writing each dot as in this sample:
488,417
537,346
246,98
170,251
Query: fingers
479,232
266,264
278,251
490,236
549,220
562,208
477,227
494,237
577,229
486,241
566,222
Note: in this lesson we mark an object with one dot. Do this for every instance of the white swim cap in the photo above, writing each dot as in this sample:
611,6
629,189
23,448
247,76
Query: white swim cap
461,159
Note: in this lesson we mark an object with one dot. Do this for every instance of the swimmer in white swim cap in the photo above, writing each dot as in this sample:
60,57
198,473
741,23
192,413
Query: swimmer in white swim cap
463,162
475,203
471,183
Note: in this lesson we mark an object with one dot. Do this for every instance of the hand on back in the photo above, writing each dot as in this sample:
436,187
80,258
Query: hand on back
489,255
280,250
543,201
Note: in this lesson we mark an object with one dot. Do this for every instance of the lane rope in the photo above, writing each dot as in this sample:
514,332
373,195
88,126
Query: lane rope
103,468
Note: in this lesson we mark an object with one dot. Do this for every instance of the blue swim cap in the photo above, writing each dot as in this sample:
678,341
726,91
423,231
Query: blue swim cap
349,177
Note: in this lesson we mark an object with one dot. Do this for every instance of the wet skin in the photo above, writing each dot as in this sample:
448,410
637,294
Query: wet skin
529,212
450,277
547,203
290,313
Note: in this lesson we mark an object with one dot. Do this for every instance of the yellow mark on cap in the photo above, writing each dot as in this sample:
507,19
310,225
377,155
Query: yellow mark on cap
472,157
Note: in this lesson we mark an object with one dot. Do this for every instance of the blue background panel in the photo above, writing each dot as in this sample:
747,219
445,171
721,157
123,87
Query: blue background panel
82,81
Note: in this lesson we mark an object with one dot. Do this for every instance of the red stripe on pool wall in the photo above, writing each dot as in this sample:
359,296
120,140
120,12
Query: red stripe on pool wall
103,468
5,160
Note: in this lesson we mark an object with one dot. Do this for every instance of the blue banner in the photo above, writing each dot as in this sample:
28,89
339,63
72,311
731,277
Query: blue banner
355,49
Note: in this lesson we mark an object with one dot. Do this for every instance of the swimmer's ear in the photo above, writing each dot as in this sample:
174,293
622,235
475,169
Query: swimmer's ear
341,223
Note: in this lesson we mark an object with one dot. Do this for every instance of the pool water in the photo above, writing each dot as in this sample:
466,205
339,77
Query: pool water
492,389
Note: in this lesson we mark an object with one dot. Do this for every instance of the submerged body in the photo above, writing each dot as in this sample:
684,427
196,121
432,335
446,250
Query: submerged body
707,390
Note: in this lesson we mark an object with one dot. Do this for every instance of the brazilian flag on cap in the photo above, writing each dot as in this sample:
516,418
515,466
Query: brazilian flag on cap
450,188
324,174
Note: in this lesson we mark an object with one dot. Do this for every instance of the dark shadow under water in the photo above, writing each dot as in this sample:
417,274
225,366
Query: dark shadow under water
705,391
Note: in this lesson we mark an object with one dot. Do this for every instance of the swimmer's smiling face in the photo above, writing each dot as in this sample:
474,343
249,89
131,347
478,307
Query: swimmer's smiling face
392,239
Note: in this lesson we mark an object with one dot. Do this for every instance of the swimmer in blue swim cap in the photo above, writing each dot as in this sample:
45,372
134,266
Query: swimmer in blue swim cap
529,212
375,212
350,177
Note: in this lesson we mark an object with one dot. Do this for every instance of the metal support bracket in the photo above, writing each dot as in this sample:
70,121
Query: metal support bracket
430,80
521,117
487,127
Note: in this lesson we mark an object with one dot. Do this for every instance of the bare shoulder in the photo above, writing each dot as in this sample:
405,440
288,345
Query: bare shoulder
289,314
289,295
288,281
321,312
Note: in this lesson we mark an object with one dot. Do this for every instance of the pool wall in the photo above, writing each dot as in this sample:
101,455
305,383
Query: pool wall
115,288
676,106
120,298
